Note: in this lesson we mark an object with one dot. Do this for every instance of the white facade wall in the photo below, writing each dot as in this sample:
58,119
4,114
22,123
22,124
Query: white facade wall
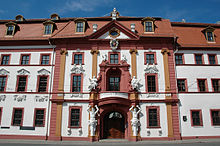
198,101
32,99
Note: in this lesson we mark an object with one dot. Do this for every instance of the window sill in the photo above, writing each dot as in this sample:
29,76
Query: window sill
74,127
156,127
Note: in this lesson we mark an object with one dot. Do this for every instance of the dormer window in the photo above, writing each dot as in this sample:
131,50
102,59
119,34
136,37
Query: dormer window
80,25
19,18
48,27
54,17
210,37
209,34
148,24
10,28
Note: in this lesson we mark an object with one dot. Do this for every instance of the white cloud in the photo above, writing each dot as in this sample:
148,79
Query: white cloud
83,5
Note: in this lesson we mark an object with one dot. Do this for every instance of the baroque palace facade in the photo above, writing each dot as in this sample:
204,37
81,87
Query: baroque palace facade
108,77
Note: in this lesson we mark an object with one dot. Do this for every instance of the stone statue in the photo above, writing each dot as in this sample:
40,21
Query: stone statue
124,58
135,121
92,121
93,83
135,83
104,57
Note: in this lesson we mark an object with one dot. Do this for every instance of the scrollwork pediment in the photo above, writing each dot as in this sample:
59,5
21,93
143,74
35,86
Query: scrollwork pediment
23,72
4,72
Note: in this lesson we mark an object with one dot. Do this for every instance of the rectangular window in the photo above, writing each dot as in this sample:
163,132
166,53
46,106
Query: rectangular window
114,83
5,59
75,117
10,30
199,58
114,58
216,85
212,59
151,83
150,58
153,117
215,115
21,83
39,117
210,37
78,58
25,59
48,29
179,59
45,59
149,26
2,83
181,84
76,83
17,117
196,116
42,83
80,27
202,84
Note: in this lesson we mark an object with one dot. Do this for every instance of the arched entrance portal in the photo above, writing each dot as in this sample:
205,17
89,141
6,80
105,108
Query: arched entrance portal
114,125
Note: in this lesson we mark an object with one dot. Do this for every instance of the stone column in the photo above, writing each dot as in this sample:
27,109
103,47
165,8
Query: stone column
168,95
93,95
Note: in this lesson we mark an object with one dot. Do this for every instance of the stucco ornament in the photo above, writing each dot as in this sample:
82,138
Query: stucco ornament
2,98
114,14
77,69
93,83
4,72
124,58
41,98
20,98
135,83
43,72
114,44
104,57
151,69
92,121
135,121
78,95
23,72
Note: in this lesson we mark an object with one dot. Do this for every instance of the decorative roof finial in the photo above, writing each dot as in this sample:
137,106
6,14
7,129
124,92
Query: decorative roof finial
114,14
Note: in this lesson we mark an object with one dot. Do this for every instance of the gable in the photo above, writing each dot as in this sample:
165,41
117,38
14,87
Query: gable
123,32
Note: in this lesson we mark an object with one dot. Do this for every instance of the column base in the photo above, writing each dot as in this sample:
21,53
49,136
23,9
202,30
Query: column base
54,138
93,138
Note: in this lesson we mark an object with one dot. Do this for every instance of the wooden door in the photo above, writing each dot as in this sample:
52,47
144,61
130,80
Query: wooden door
114,125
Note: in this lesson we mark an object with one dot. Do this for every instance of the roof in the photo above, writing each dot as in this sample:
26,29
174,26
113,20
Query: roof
65,28
193,35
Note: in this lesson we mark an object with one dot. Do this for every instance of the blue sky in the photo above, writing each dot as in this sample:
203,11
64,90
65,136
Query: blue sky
204,11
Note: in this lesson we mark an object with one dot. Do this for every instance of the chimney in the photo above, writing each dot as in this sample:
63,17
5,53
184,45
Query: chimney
132,27
94,26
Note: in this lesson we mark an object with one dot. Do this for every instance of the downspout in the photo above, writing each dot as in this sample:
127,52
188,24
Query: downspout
176,50
50,89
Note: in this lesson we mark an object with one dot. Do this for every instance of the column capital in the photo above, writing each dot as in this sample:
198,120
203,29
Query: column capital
165,51
93,51
133,51
63,51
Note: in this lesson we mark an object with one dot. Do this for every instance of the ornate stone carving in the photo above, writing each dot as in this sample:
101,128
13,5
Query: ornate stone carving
135,121
114,14
151,69
4,72
79,95
93,83
2,98
41,98
152,95
77,69
92,121
136,85
43,72
124,58
104,57
114,44
20,98
23,72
